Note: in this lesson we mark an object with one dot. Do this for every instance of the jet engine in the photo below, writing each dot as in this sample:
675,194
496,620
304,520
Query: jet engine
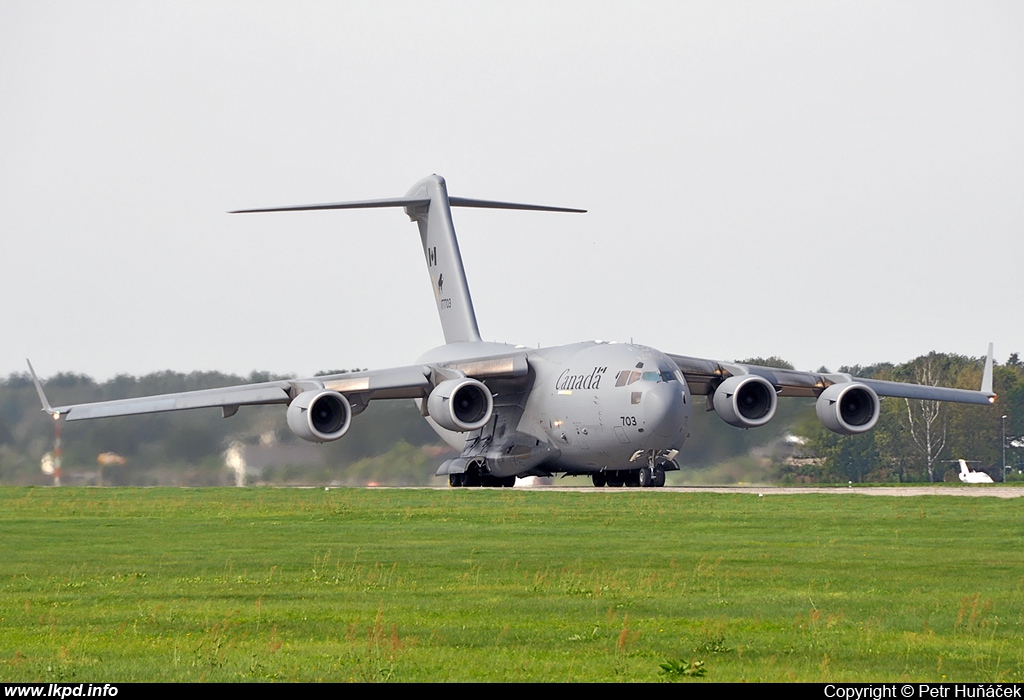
848,408
460,404
745,400
319,415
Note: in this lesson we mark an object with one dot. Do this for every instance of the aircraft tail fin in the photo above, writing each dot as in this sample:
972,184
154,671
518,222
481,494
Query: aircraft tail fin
429,205
444,260
964,471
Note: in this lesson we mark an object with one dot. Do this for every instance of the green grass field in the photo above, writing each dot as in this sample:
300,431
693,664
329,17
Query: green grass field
506,585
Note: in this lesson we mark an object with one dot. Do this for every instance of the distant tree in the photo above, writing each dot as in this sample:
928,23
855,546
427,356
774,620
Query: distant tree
926,420
328,372
912,436
772,361
186,447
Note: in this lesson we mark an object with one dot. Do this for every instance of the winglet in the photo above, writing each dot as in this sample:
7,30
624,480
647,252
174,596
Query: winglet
47,408
986,378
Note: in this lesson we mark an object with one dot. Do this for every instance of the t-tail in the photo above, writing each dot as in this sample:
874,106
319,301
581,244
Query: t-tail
429,205
444,261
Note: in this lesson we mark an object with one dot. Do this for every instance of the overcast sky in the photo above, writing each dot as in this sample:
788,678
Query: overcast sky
833,183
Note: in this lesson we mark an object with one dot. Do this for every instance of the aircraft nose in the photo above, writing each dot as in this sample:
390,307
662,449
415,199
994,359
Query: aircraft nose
664,409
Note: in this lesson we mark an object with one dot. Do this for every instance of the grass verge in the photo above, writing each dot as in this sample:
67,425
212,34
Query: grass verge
100,585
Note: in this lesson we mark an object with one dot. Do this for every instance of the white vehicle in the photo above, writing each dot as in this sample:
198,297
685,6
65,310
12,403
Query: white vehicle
971,477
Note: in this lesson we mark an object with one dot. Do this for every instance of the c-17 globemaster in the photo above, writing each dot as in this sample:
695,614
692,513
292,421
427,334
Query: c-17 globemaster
618,412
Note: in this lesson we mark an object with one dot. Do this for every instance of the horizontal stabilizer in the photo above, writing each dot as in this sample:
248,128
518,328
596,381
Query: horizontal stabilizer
427,204
487,204
413,202
361,204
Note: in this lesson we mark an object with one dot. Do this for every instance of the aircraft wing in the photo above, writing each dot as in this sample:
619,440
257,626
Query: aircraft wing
360,387
703,377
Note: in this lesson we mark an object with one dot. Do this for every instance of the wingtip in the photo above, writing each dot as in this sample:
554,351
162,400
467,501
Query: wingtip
47,408
986,378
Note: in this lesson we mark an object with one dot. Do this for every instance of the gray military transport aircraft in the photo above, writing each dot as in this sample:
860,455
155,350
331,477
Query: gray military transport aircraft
618,412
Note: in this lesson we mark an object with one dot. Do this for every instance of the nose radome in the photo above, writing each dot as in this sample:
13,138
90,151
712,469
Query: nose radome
664,409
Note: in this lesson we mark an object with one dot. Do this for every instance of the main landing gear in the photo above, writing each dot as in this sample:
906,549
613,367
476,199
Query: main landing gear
474,477
644,477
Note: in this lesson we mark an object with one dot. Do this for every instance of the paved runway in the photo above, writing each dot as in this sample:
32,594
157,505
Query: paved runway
992,491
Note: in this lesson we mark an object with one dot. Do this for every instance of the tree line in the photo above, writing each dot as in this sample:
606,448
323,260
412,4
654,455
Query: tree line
188,447
919,440
391,443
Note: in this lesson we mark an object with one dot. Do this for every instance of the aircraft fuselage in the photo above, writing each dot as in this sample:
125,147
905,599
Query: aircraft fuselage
586,407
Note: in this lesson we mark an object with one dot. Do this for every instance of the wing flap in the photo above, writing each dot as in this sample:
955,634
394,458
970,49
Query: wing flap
511,365
410,382
702,376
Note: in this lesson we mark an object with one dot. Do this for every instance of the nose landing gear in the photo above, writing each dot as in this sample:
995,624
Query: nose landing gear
646,476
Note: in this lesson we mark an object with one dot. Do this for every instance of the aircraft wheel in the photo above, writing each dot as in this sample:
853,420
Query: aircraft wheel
658,477
644,477
615,479
632,477
507,482
455,480
599,479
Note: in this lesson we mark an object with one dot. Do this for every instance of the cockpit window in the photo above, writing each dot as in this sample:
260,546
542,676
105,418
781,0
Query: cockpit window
627,377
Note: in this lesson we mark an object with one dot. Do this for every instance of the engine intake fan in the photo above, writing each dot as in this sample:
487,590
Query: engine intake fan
460,404
319,416
848,408
746,401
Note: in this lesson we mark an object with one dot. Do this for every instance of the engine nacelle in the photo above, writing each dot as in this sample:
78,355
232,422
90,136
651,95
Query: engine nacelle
460,404
848,408
746,401
319,415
